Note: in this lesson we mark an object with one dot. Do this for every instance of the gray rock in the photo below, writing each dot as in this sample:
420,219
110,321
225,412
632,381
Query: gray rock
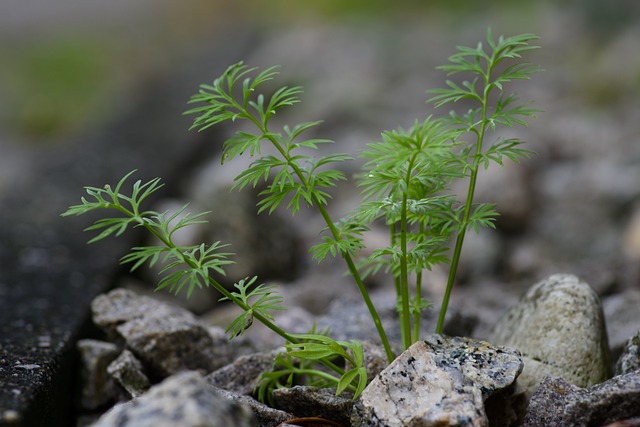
128,372
266,415
184,400
623,318
629,361
243,374
439,381
559,403
166,338
304,401
98,388
630,422
120,306
559,328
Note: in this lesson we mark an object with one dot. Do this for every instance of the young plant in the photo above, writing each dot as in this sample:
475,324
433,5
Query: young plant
406,183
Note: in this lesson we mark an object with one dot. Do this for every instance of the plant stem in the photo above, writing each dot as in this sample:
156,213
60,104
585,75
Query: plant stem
417,313
404,276
468,203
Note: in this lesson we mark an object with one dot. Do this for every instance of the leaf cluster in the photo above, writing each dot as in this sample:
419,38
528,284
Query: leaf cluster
261,299
183,266
298,361
293,175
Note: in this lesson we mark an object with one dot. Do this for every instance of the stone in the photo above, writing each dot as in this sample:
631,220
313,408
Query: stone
266,415
166,338
128,372
243,374
98,388
560,403
184,399
305,401
630,422
439,381
629,361
622,317
558,326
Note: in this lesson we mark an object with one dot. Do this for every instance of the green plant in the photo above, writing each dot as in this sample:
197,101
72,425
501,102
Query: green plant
406,183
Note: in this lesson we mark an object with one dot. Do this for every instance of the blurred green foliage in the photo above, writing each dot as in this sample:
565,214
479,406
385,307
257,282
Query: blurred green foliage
55,88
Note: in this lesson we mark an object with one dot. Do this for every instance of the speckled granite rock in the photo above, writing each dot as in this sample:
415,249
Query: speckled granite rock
166,338
629,361
559,403
185,400
439,381
559,328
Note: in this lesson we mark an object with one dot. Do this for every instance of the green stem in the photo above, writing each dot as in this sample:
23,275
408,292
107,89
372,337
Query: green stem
417,313
467,206
404,275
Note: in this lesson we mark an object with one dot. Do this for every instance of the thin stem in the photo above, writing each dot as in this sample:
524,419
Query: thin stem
404,279
468,203
417,314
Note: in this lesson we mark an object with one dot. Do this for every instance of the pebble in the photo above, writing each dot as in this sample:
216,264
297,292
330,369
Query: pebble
166,338
97,388
128,372
440,381
558,326
243,374
305,401
560,403
184,399
629,361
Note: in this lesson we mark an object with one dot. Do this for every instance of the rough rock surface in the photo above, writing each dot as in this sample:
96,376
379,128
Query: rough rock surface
439,381
559,328
559,403
623,318
304,401
128,372
98,388
166,338
243,374
629,361
266,415
184,400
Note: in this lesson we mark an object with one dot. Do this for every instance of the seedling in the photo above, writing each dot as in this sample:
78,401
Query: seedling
405,182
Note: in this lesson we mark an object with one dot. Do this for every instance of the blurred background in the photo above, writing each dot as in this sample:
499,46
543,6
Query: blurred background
70,69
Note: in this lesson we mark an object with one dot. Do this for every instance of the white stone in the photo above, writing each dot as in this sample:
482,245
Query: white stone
558,326
441,381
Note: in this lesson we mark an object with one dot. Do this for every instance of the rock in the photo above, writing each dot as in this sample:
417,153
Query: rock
631,422
128,372
560,403
98,388
166,338
623,318
629,361
243,374
440,381
266,415
559,328
185,400
304,401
